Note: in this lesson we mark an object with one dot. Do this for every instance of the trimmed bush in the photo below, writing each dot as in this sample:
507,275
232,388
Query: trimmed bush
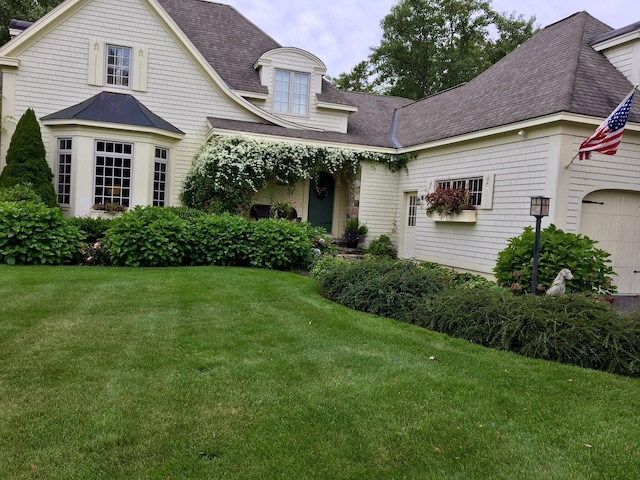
32,233
27,161
219,240
590,265
147,237
573,329
279,244
393,289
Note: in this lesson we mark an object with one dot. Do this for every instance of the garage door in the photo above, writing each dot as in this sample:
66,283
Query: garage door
612,217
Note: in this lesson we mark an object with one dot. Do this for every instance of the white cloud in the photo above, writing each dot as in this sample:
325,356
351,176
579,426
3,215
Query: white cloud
341,32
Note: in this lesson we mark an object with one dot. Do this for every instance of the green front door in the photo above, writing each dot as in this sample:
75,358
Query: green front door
321,196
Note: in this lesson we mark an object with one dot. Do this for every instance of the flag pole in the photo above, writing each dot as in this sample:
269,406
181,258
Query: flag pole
635,87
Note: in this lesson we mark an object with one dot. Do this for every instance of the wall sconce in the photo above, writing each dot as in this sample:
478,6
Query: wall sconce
419,199
539,208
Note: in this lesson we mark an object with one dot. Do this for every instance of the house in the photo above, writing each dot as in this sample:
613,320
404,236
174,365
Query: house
127,91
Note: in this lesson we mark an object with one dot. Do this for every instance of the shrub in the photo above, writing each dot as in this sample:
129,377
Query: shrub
382,247
186,213
23,192
279,244
219,240
27,161
573,329
92,229
326,265
147,237
32,233
384,287
558,250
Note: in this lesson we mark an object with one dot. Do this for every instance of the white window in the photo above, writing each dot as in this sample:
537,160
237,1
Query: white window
118,65
160,177
472,185
113,162
63,172
291,92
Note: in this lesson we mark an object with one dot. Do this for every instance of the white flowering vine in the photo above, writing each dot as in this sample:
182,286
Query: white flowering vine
228,171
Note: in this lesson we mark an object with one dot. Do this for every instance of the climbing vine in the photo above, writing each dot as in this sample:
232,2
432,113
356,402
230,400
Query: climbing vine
228,171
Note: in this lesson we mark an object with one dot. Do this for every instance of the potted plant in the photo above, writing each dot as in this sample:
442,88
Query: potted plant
449,202
355,232
283,209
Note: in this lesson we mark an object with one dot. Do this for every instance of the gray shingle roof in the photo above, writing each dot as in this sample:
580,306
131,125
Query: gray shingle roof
113,108
230,43
554,71
370,125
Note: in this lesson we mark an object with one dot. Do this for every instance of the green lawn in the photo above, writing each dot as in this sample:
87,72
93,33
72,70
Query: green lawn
203,373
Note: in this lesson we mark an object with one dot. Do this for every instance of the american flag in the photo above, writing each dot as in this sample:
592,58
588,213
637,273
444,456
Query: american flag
607,136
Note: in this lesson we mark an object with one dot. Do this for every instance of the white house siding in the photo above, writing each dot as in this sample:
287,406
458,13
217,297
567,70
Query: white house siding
380,200
295,60
519,169
602,172
622,58
53,76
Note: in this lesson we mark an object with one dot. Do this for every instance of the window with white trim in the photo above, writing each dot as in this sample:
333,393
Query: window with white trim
472,185
291,92
63,172
118,65
160,163
113,168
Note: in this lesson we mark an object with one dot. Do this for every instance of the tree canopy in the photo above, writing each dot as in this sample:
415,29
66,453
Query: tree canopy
29,10
431,45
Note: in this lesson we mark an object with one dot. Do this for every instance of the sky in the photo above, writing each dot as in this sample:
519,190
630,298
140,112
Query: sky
341,32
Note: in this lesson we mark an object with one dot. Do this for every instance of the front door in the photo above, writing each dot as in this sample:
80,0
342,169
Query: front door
409,228
321,198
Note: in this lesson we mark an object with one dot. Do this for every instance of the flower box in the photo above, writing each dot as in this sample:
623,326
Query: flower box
465,216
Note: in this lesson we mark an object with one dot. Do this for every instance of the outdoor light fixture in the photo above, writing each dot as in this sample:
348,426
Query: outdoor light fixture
539,208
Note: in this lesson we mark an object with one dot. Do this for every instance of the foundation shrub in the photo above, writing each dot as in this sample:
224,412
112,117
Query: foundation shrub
147,237
219,240
92,229
393,289
382,247
32,233
573,329
279,244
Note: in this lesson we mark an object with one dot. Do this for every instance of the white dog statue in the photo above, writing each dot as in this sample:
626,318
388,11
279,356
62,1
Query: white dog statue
558,286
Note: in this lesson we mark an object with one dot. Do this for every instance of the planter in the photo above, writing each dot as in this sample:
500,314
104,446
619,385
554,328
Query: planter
465,216
103,214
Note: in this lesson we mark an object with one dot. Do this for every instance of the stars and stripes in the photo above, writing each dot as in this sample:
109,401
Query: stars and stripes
607,136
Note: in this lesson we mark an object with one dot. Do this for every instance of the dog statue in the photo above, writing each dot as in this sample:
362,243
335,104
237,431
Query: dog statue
558,286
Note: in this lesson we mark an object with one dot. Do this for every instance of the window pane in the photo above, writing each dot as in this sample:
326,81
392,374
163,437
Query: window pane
118,65
112,173
63,179
160,176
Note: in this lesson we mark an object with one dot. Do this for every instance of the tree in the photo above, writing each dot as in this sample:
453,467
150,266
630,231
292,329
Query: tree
26,160
29,10
428,46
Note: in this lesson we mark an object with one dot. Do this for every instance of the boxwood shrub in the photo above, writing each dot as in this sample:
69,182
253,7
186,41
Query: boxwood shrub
32,233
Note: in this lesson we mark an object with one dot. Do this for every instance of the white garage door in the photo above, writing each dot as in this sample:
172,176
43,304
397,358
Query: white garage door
612,217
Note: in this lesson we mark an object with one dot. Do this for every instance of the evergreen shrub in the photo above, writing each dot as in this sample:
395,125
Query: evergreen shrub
32,233
574,329
27,161
381,247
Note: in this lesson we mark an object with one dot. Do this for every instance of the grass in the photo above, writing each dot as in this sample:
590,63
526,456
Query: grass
199,373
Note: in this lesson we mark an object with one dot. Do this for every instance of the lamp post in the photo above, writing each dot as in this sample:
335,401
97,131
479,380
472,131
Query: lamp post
539,208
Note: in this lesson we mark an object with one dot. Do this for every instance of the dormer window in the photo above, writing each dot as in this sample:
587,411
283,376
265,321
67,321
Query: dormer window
291,92
118,65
